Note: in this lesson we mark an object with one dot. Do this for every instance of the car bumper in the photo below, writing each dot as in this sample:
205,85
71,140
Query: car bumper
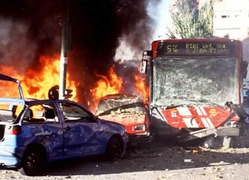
140,138
8,159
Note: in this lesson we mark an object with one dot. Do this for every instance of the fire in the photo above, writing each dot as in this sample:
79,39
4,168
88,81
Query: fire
107,85
113,84
141,87
36,84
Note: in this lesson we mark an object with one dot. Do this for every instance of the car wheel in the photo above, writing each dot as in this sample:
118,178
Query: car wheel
33,162
114,149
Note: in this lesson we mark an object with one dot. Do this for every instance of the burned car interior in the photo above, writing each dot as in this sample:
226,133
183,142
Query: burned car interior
40,113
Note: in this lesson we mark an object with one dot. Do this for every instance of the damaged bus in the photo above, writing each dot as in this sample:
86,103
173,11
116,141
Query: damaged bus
196,88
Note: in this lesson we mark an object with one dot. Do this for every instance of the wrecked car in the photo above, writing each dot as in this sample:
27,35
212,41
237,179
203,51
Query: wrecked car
36,132
128,110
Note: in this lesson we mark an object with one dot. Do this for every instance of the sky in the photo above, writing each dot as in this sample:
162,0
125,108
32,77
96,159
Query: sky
161,15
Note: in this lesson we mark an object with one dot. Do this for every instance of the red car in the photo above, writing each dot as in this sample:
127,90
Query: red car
128,110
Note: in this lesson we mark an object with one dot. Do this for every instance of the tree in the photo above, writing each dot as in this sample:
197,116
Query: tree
191,19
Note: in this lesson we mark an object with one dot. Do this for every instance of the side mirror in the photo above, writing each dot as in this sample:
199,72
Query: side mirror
95,118
143,64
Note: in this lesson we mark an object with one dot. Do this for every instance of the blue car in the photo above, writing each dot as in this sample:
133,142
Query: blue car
36,132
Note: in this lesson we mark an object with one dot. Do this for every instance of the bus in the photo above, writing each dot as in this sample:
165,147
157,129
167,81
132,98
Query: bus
195,88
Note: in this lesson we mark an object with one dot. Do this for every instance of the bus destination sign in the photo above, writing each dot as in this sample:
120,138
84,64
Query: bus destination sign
196,48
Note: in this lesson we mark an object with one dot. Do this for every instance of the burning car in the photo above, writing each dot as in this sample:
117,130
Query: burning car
128,110
36,132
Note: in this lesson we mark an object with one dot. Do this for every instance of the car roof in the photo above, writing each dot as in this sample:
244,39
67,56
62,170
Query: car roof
31,101
44,101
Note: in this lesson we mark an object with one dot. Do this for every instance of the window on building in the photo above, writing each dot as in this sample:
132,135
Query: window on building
224,16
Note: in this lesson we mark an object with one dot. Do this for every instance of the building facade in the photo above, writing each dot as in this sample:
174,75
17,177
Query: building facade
231,19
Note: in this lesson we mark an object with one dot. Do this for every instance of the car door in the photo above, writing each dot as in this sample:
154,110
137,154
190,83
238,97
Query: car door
42,126
82,131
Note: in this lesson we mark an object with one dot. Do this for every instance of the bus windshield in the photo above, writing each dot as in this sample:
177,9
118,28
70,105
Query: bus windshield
188,80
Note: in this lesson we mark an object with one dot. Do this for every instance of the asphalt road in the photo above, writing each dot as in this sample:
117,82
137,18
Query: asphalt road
156,160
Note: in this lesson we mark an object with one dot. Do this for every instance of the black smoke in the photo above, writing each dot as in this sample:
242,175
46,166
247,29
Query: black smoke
30,28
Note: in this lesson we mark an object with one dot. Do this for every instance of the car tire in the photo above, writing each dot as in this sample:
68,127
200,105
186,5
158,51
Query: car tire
114,149
33,162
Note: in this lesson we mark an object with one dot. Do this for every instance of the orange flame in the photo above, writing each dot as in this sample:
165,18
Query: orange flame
107,85
141,87
36,84
113,84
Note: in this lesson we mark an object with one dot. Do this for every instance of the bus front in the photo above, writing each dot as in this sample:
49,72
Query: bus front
191,80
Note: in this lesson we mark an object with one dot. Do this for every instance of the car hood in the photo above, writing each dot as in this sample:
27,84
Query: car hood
113,124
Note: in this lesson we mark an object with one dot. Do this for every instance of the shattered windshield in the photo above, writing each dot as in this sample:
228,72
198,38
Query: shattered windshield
120,105
185,81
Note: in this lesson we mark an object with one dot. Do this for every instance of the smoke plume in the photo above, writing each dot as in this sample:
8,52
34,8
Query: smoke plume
100,31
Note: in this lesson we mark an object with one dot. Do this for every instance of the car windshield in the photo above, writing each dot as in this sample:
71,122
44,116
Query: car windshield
185,81
120,105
